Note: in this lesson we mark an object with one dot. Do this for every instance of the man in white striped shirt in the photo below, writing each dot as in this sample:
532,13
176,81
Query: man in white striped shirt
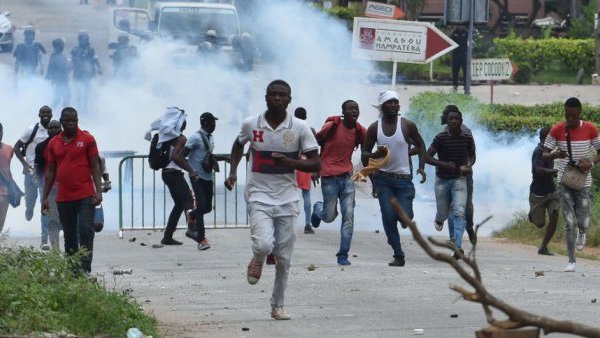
580,136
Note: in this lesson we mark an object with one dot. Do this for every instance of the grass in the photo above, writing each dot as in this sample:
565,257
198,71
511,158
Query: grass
40,293
520,230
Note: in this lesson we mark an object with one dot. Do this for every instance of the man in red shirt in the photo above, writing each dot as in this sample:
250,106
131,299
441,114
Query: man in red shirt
338,142
73,163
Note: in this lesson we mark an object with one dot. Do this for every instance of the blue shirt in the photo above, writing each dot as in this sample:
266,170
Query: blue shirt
198,152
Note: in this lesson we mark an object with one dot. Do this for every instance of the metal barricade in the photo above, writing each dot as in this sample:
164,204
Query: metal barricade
144,203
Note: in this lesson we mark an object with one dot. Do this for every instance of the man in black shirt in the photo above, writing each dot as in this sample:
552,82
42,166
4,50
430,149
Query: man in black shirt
543,196
459,55
456,153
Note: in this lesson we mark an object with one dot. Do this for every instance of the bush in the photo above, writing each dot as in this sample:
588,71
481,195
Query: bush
523,75
40,293
570,54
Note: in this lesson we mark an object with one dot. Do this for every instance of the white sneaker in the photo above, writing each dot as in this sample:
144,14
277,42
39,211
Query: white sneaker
438,226
277,313
570,267
45,247
581,241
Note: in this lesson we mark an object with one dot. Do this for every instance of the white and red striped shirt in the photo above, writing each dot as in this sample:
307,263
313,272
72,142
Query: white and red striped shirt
583,139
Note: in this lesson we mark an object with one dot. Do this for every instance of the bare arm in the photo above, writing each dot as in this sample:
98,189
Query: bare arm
179,156
97,178
367,147
420,144
18,152
48,182
237,151
311,164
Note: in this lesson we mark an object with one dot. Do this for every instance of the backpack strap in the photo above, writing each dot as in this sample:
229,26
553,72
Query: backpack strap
32,136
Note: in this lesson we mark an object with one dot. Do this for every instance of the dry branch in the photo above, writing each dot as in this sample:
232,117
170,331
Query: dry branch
517,318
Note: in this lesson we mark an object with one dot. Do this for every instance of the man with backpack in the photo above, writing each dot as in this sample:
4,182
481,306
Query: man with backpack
166,153
25,152
338,138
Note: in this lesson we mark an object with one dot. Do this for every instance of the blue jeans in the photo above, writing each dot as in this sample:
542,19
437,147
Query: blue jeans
403,190
31,194
451,195
335,187
77,218
468,209
307,205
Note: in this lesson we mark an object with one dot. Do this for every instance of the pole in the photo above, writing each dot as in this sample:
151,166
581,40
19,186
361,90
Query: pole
491,91
394,70
469,48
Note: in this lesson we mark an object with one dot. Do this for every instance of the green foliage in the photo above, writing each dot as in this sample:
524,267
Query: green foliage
41,293
570,54
583,27
523,75
518,118
343,13
426,108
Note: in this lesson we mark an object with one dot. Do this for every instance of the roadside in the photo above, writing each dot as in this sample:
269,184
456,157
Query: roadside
205,293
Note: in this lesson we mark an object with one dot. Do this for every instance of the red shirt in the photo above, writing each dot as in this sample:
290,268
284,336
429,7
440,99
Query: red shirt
336,153
73,167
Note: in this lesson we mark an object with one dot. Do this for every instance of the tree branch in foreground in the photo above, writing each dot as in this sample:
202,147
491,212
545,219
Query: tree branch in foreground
517,318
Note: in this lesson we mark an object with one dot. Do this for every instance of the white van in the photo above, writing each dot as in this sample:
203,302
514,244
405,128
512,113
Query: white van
190,23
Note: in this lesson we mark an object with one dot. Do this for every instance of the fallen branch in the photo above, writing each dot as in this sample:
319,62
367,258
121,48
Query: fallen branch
517,318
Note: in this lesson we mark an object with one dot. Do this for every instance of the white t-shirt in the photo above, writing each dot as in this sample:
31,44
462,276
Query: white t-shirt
40,135
266,182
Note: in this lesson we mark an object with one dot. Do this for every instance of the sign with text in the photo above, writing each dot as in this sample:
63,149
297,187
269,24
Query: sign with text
491,69
381,10
399,41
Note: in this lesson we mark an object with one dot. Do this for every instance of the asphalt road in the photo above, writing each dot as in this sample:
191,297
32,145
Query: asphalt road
205,294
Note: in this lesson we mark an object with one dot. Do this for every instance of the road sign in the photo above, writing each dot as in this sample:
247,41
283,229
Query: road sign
384,11
492,69
398,41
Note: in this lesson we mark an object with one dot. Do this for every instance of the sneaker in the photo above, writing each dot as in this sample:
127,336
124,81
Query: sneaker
472,236
570,267
45,247
28,214
254,271
271,259
315,220
192,235
397,261
581,241
438,226
203,245
278,314
450,242
341,260
308,229
545,252
170,241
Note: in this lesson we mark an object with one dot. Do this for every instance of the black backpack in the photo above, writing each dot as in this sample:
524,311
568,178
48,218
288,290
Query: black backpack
159,158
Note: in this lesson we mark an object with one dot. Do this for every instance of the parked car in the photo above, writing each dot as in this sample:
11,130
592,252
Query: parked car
7,40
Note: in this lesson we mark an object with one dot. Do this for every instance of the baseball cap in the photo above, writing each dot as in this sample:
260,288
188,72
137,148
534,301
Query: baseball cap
207,117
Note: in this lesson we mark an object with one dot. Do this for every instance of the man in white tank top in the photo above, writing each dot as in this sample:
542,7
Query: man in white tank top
395,134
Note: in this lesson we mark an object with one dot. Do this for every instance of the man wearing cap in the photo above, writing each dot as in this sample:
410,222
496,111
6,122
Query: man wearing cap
394,134
28,55
25,152
198,147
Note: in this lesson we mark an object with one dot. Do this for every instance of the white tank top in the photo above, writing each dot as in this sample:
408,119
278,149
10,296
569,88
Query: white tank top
399,159
172,164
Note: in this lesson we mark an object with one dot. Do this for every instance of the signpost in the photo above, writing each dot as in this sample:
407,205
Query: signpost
384,11
492,70
398,41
